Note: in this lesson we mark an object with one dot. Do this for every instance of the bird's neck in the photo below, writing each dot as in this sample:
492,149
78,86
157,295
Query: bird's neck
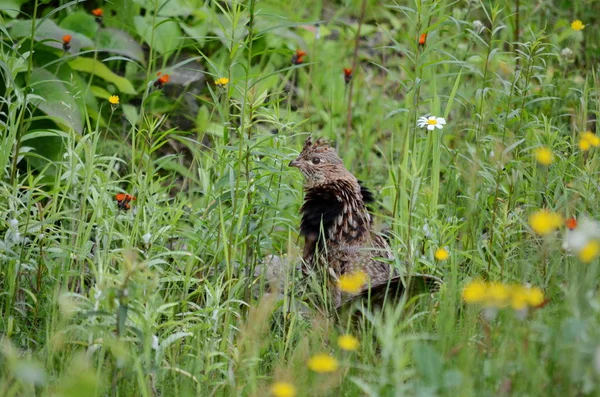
337,209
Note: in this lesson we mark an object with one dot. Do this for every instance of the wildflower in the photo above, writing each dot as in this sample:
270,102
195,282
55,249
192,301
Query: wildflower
589,252
577,25
535,297
98,13
161,80
582,233
544,155
123,200
566,53
441,254
155,344
66,39
347,75
283,389
146,237
322,363
298,57
221,81
352,282
478,26
422,39
431,122
518,299
571,223
544,222
114,100
588,140
13,223
497,295
474,292
348,342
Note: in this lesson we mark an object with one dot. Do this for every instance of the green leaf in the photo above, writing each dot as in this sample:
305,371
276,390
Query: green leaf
11,7
80,22
99,69
99,92
118,42
50,33
55,98
165,37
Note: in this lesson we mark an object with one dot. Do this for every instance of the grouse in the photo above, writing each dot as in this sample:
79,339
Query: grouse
338,232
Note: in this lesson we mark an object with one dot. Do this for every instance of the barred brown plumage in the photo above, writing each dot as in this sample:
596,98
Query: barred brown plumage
338,232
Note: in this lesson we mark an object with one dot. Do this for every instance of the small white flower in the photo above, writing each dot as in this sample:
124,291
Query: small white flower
478,26
566,53
13,223
146,237
431,122
155,342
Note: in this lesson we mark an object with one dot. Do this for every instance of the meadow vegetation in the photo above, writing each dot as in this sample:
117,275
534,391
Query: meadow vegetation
145,184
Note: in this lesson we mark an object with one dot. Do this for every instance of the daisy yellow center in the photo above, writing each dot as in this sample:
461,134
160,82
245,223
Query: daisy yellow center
432,121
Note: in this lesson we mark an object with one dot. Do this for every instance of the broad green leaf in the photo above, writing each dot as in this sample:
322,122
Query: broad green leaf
119,42
99,92
99,69
80,22
165,37
11,7
58,98
51,34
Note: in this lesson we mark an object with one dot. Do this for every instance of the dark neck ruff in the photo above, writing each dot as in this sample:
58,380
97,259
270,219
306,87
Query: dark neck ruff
337,212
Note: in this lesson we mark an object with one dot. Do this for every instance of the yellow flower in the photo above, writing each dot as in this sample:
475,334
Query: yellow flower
348,342
353,282
543,155
475,291
283,389
518,298
589,252
322,363
441,254
587,140
498,295
544,222
222,81
577,25
584,145
535,296
113,99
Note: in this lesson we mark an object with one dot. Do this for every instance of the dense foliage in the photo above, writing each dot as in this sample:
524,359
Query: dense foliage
144,194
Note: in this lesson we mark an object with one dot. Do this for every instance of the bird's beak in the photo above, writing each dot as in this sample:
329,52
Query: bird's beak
294,163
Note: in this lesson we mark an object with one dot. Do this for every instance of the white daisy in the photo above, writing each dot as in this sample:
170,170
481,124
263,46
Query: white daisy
431,122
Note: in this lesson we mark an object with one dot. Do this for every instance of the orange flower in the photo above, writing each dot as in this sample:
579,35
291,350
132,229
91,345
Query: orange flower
422,39
298,57
571,223
98,12
67,42
162,80
347,75
123,200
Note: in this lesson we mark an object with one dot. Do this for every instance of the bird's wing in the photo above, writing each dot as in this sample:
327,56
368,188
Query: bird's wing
393,290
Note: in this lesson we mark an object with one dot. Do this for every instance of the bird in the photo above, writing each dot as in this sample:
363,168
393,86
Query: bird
339,238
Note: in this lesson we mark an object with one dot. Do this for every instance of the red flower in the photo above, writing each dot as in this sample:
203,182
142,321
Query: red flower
298,57
123,200
66,42
571,223
98,12
162,80
347,75
422,39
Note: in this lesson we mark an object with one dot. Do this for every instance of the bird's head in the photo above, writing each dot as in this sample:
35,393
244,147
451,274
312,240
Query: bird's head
320,164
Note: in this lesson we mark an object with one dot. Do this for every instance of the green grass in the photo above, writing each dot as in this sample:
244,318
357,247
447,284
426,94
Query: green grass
167,298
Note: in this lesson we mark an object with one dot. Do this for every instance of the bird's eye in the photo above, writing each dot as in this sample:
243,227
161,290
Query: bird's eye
316,160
